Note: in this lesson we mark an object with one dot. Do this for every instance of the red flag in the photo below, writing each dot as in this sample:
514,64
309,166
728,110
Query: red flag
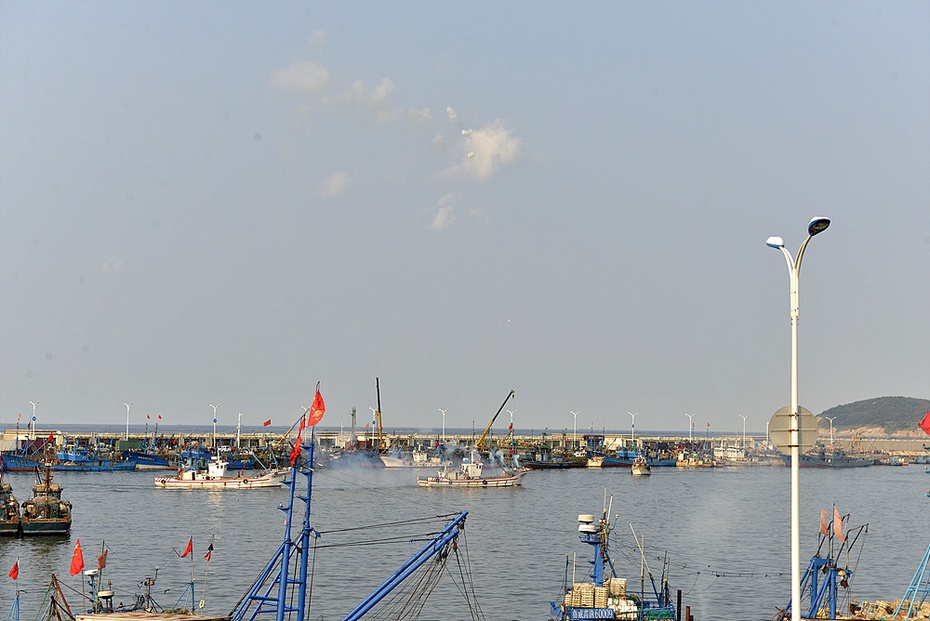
209,553
102,560
77,559
317,409
266,423
14,573
838,525
189,548
159,417
925,423
824,529
51,437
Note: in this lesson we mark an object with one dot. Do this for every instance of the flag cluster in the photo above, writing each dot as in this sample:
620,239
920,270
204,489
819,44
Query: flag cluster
311,418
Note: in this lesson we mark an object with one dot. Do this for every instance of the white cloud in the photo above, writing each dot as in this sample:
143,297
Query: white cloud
303,76
451,114
112,265
486,150
317,39
444,215
423,114
336,185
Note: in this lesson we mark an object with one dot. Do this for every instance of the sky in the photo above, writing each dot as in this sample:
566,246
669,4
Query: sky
225,203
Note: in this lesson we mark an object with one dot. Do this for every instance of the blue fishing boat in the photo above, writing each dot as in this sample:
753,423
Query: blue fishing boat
14,462
604,595
81,459
146,461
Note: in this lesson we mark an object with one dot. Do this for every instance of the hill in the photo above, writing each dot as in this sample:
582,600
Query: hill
896,416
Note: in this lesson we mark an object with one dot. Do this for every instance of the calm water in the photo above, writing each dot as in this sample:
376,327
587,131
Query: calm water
725,530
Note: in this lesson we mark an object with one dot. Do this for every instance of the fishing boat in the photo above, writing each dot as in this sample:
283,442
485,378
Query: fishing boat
14,462
212,475
470,473
9,510
602,594
416,458
556,460
831,457
46,513
82,459
640,467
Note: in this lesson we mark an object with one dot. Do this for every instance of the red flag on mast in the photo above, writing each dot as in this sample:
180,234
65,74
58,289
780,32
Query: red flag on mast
189,548
14,573
77,559
266,423
925,423
317,409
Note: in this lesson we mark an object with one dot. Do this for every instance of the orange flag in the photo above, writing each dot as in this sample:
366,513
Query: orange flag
838,525
14,573
102,560
77,559
824,529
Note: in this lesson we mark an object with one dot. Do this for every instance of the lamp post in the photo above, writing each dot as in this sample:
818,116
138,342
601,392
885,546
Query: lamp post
633,427
214,423
744,430
817,225
831,419
238,426
575,430
443,425
690,428
33,434
128,407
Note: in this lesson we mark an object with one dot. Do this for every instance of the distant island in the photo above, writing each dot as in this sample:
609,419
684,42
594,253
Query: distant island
882,416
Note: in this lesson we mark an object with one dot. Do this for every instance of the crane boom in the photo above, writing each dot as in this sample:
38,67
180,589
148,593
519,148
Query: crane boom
480,443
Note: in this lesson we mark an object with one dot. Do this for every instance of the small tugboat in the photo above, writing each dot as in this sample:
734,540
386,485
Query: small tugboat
9,510
46,513
470,473
605,596
212,475
640,467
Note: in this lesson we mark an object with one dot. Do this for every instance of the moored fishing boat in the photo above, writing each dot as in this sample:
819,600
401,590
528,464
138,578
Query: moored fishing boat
82,459
14,462
46,513
145,460
470,473
603,594
212,475
9,510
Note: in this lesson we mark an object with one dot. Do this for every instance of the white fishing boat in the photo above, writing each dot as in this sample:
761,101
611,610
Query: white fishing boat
212,475
640,467
470,473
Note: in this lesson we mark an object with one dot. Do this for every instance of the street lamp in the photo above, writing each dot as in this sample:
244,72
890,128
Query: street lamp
831,419
443,425
817,225
633,426
575,431
128,406
690,428
34,404
214,423
744,430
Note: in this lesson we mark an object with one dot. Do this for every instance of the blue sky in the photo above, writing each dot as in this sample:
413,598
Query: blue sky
225,203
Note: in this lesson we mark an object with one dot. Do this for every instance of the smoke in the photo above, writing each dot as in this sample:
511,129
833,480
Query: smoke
336,185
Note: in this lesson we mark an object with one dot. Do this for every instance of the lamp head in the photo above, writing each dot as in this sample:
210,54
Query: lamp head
775,242
817,224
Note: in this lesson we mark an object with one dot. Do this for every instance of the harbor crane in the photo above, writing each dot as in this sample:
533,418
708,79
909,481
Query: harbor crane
480,444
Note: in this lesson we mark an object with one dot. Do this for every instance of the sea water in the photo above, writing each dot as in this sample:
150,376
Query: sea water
723,533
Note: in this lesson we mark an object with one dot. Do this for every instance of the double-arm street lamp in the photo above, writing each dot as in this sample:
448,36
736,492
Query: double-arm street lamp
815,226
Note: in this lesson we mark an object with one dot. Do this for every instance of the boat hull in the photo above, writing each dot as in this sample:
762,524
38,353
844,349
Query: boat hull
146,461
18,463
52,526
266,480
477,483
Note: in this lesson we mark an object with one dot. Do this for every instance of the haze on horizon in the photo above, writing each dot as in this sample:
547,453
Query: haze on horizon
226,204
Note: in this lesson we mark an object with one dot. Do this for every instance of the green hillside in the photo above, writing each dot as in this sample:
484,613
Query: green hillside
894,414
